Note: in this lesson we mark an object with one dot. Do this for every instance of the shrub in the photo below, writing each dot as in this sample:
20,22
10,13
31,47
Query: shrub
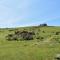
40,38
57,33
43,31
9,37
17,32
56,39
11,30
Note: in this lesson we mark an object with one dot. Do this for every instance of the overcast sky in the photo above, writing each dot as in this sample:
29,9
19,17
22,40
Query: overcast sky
29,12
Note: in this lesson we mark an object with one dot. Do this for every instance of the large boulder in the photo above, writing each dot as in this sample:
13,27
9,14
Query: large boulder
27,35
23,35
43,24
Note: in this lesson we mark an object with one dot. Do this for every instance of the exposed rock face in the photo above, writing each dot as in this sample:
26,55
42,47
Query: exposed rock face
43,24
24,35
27,35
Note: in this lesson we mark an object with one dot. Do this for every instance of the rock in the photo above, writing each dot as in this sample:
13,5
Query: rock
57,57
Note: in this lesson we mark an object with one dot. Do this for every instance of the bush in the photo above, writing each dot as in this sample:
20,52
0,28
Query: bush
57,33
17,32
56,39
11,37
43,31
40,38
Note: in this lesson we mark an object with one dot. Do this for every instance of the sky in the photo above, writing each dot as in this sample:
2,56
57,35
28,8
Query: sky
15,13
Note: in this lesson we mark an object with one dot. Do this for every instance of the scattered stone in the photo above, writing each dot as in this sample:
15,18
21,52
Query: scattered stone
57,57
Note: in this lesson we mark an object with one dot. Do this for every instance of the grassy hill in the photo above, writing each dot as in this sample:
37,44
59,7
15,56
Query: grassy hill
44,46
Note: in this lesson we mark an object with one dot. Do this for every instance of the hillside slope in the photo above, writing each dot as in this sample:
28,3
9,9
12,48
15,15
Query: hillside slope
44,46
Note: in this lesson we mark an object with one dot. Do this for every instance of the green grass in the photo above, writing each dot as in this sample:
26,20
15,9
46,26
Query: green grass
36,49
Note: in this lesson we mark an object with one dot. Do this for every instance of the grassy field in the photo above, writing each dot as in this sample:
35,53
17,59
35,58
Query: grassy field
37,49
